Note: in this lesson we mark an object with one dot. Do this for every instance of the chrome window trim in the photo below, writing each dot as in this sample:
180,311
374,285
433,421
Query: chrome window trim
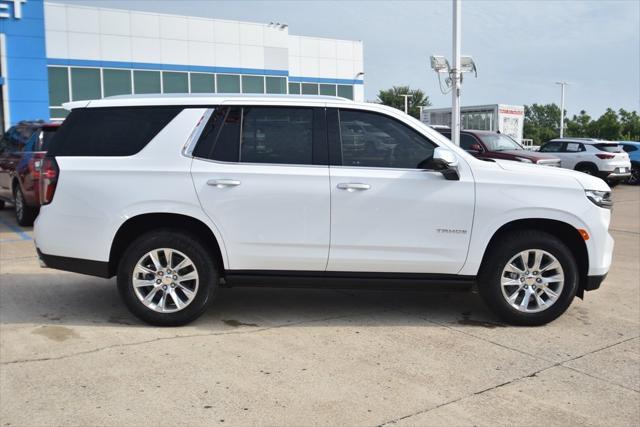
190,145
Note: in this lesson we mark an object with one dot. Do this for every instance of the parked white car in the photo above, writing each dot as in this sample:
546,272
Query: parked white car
180,195
597,157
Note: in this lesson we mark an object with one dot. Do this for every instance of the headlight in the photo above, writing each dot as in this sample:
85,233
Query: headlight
523,160
600,198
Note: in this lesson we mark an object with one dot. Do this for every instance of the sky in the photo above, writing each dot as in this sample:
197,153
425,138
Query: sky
521,47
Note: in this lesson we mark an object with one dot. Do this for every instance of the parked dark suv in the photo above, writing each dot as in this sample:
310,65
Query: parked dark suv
493,145
22,147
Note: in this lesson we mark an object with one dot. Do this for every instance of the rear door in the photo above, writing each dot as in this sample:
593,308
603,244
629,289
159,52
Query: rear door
388,215
557,148
262,177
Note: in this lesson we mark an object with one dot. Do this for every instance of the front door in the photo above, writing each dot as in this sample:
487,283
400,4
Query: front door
260,182
387,215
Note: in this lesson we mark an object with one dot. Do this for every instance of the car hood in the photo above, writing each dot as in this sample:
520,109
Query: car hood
532,155
588,182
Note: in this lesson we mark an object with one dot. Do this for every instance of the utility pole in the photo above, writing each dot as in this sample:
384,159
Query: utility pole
455,74
562,85
406,103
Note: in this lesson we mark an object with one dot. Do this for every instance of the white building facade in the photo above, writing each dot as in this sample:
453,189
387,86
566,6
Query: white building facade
93,52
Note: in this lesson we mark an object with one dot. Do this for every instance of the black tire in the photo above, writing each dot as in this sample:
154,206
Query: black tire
188,245
613,183
588,169
510,245
634,179
25,214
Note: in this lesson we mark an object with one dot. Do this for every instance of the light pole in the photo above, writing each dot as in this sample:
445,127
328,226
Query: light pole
562,85
406,103
455,74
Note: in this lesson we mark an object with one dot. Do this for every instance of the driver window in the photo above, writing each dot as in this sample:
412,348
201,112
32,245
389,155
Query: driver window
374,140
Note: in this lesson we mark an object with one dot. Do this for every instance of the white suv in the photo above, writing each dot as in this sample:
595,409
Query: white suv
604,159
180,195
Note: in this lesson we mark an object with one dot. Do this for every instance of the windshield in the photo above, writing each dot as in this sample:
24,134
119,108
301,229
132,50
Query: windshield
499,142
611,148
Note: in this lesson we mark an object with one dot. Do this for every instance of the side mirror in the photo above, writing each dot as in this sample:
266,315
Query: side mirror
476,147
445,162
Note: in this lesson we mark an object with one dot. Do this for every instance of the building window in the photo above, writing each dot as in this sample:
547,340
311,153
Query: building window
252,84
58,85
228,83
116,82
58,113
203,83
276,84
294,88
328,90
345,91
146,81
85,83
309,89
175,82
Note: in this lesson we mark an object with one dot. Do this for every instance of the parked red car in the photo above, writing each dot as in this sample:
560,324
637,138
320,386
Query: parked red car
22,148
493,145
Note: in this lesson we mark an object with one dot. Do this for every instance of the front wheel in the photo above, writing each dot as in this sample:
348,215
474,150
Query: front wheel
529,278
167,278
634,179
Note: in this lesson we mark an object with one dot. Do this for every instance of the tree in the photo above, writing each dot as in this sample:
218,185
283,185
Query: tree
630,122
392,98
579,126
541,122
607,126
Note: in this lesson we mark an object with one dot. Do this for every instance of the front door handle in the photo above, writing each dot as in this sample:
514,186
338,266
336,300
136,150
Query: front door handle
353,186
221,183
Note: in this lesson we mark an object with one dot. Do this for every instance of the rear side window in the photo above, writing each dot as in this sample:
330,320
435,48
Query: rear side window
611,148
573,147
110,131
276,135
47,136
629,148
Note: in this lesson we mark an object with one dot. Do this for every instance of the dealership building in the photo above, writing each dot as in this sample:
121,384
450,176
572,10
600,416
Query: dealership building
52,53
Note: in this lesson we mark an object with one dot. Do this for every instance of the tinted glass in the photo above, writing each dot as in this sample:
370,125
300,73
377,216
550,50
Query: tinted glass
276,84
277,135
58,85
175,82
309,89
116,82
252,84
345,91
629,148
611,148
228,83
203,83
328,90
109,131
552,147
227,145
47,136
146,81
375,140
85,83
294,88
466,141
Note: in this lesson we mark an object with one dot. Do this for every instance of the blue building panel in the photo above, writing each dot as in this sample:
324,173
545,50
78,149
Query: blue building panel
26,65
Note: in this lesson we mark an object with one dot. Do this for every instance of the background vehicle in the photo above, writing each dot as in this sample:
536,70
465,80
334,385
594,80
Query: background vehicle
632,148
180,195
493,145
21,148
597,157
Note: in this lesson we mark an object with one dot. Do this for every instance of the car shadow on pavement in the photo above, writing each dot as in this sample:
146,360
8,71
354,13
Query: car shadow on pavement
76,300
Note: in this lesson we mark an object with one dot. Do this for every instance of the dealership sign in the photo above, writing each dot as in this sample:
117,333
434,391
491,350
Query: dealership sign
6,12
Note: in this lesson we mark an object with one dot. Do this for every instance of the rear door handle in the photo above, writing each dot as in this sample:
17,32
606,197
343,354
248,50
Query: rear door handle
353,186
221,183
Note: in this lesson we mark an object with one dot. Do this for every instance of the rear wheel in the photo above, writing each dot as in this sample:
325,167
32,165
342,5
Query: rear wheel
588,169
529,278
25,214
167,278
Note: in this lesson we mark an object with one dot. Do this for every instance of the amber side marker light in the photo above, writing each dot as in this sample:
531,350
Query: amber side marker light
583,233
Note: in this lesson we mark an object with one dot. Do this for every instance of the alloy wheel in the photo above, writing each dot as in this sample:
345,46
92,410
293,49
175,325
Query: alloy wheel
165,280
532,281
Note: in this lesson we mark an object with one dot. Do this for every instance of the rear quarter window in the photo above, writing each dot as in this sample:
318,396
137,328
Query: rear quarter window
110,131
611,148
